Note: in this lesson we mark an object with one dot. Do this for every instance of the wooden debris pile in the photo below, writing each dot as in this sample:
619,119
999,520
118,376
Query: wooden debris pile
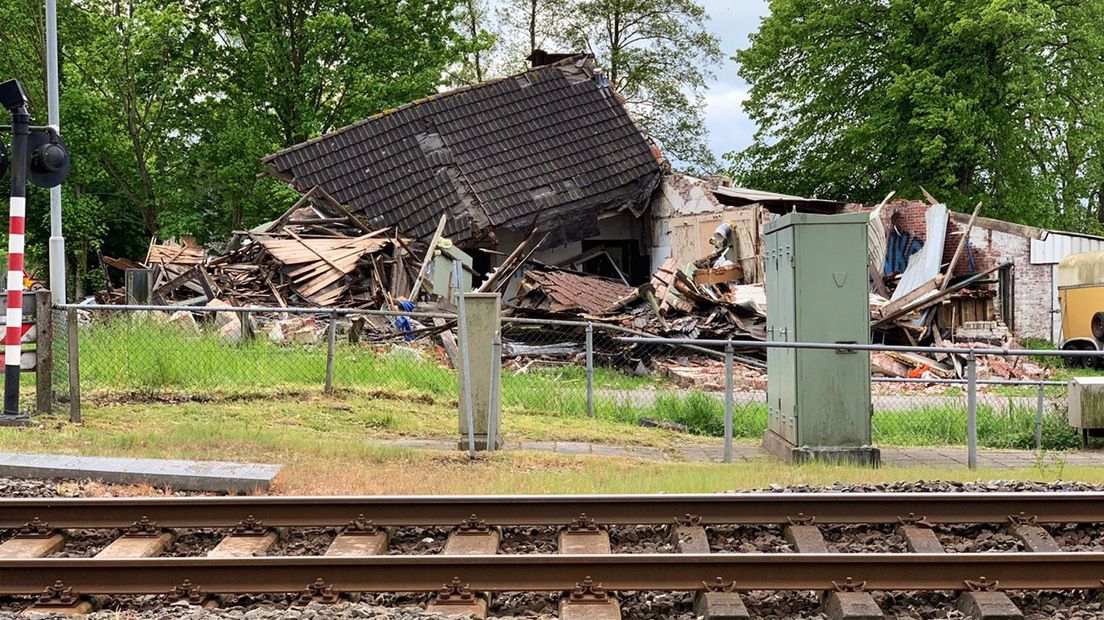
315,254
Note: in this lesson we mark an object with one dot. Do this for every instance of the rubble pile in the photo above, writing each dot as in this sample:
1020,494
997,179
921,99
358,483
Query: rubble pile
315,254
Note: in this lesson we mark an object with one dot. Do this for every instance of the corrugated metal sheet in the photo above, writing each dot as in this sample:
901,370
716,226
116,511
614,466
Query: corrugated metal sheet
1057,246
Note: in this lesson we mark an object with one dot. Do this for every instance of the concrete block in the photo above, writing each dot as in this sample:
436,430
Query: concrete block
358,545
609,609
137,546
473,543
243,546
15,548
988,606
690,539
851,606
805,538
1035,539
720,606
584,543
920,539
476,608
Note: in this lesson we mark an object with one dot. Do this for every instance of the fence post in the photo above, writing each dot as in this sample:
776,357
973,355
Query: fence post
496,392
971,410
44,353
465,361
590,368
729,397
331,345
74,366
1039,405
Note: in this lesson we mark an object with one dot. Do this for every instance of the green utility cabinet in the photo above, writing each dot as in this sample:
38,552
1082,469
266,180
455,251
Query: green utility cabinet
818,290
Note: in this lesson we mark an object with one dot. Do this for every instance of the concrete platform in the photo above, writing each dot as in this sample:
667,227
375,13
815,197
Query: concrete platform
217,476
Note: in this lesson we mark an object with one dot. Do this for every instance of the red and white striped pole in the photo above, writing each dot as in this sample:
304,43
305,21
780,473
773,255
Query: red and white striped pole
13,332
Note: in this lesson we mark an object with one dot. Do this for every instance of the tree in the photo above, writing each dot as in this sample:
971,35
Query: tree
978,99
527,25
479,41
660,56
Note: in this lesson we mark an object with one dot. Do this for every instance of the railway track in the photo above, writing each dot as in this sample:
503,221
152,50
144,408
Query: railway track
469,567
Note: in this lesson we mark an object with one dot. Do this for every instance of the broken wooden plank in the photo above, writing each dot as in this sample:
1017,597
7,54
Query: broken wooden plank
961,244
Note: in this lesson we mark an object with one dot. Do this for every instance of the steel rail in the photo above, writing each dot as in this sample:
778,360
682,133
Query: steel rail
733,508
539,573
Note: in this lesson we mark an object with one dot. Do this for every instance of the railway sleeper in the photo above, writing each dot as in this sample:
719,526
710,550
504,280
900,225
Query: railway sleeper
472,537
720,600
848,601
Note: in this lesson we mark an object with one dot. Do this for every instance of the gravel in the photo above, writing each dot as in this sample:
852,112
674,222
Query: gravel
624,539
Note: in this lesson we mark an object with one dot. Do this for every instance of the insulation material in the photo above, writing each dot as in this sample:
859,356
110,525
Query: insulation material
924,265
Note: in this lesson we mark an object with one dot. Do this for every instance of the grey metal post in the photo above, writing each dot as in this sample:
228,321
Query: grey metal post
1039,404
53,116
590,368
729,397
74,366
44,353
496,392
331,345
465,361
971,410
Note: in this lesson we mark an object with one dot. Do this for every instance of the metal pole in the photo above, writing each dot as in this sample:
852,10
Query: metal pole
465,362
331,345
74,366
1039,418
496,392
729,397
971,410
53,115
590,368
13,332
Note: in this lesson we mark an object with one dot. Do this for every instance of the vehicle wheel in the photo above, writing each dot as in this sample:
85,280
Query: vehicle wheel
1073,361
1097,325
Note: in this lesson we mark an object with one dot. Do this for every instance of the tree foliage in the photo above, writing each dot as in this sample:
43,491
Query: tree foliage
659,55
979,99
169,105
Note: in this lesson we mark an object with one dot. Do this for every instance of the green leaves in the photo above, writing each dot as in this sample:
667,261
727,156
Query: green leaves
969,99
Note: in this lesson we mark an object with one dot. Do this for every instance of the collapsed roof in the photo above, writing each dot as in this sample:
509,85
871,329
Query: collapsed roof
552,148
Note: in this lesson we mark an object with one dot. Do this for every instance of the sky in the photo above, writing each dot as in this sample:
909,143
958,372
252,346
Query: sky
732,21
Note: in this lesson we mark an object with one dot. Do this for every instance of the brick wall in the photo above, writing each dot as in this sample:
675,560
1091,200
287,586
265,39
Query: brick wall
1033,284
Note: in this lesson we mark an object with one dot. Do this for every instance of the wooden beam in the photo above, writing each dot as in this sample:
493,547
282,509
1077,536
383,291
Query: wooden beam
1011,228
961,244
428,257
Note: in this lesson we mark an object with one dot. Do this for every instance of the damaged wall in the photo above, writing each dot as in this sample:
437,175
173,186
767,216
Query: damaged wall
1033,283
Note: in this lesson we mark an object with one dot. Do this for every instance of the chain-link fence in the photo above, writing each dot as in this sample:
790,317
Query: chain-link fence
551,368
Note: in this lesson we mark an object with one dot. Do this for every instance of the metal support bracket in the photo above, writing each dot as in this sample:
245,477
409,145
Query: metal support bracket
583,525
802,519
473,525
36,528
588,592
143,528
982,585
719,585
190,592
318,592
58,595
1023,519
361,526
688,520
250,526
455,592
917,521
849,585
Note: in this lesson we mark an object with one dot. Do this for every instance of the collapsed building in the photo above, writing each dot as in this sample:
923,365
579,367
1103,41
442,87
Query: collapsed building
543,186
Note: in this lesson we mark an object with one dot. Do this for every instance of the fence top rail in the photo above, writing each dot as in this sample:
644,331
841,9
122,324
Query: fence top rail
255,309
851,346
1009,382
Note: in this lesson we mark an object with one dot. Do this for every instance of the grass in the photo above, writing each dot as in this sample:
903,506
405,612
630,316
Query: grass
132,367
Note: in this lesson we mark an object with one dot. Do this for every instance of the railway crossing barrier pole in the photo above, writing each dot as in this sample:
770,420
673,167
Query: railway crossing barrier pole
729,397
74,366
15,100
971,410
590,368
465,362
1039,406
331,345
